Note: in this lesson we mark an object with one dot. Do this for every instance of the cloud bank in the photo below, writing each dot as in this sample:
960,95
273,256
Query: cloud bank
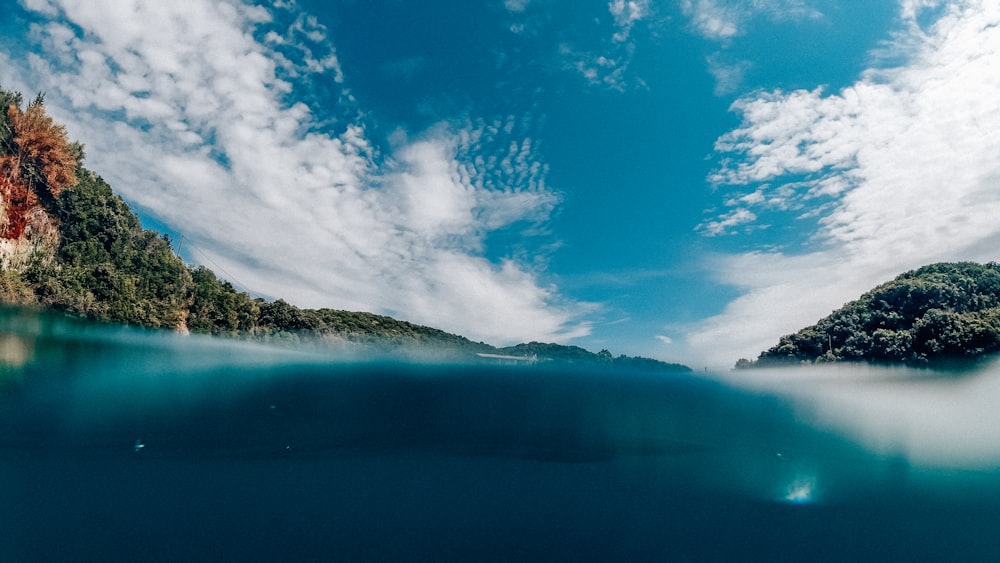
190,110
899,169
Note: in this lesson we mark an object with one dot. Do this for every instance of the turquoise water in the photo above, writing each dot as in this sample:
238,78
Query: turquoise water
123,445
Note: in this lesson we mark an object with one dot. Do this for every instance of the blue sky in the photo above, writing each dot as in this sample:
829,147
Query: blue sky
681,179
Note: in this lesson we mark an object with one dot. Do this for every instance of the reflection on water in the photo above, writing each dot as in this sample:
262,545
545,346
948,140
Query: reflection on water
18,330
15,350
200,449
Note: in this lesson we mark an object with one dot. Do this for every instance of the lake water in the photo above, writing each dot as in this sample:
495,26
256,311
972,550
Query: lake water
123,445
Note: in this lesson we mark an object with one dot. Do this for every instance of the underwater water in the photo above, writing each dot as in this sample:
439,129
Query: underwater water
123,445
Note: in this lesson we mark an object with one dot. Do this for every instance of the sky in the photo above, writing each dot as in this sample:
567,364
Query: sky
686,180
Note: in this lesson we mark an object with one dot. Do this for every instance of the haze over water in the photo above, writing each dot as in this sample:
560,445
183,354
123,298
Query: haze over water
119,445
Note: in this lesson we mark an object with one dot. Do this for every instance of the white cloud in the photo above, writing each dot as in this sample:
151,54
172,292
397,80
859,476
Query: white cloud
189,119
665,339
304,48
626,13
516,5
712,19
607,66
599,70
723,19
907,157
725,224
911,9
728,76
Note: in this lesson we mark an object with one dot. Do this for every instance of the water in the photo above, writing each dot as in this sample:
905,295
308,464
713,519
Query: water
122,445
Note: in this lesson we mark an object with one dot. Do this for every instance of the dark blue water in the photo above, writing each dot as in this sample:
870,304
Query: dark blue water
117,445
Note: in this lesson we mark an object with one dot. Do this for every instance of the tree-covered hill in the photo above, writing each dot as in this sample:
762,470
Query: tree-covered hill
576,355
940,312
68,243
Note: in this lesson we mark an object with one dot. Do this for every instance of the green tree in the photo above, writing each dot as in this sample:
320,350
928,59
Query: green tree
937,312
217,308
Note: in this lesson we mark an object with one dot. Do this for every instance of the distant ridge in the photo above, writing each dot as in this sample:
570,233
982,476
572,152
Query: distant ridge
943,312
68,243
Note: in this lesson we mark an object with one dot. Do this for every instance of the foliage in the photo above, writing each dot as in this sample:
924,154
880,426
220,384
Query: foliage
14,290
384,331
555,352
940,312
576,355
107,266
36,162
635,363
217,308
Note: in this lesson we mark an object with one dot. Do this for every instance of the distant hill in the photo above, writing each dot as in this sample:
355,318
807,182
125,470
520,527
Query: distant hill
941,312
576,355
68,243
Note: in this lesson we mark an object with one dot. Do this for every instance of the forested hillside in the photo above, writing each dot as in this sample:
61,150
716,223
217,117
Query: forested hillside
940,312
68,243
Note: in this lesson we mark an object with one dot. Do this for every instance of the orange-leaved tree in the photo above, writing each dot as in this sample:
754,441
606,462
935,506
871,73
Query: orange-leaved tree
37,161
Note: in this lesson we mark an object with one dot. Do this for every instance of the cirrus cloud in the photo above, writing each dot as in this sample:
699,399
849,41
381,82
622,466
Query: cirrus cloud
195,120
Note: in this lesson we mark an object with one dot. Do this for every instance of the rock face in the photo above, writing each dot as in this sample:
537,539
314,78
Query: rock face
39,237
37,161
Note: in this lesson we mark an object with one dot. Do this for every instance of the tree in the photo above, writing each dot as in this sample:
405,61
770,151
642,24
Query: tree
37,161
107,266
217,308
937,312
